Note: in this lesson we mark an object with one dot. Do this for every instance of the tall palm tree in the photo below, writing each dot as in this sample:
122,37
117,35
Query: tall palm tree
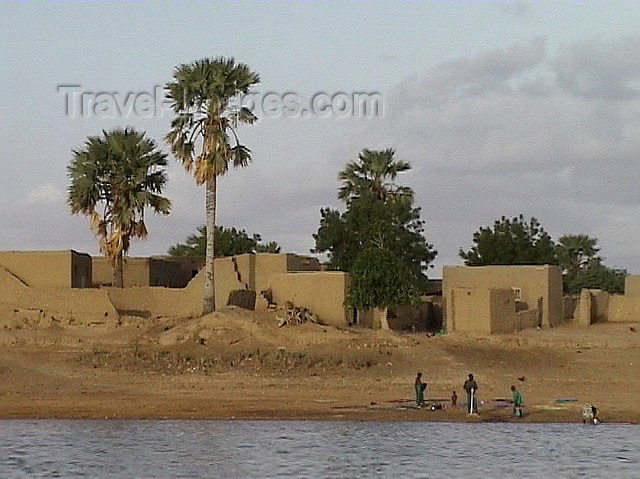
114,178
371,194
374,172
577,253
204,135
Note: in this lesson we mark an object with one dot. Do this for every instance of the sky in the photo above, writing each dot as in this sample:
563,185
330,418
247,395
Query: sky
502,108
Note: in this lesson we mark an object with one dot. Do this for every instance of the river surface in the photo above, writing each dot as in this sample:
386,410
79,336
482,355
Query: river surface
315,449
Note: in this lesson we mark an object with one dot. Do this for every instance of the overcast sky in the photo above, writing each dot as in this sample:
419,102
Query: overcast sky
502,108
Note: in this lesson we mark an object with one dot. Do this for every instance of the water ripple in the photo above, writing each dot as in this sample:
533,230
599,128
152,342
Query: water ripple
314,449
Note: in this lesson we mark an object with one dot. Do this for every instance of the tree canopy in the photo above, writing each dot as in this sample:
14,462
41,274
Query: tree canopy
576,254
511,241
515,241
380,222
583,268
228,242
598,276
380,279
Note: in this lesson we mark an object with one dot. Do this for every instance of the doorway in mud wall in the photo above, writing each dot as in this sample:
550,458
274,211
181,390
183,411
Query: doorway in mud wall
540,304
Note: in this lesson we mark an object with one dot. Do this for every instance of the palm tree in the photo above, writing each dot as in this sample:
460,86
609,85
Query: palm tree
374,172
369,189
114,178
204,135
577,253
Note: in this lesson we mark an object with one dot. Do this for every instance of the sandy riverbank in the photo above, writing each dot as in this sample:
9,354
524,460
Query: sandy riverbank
237,364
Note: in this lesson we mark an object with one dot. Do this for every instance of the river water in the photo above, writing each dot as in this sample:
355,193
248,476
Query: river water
315,449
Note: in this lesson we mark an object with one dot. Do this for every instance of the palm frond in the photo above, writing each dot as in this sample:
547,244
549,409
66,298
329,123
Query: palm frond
121,173
201,94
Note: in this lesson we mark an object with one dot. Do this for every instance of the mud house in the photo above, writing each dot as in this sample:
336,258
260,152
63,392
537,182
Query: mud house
275,279
501,299
478,300
596,306
51,286
49,283
58,269
167,271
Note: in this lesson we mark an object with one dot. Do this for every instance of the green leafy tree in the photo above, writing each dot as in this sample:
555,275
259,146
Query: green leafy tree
511,241
270,247
379,279
393,226
379,216
334,239
598,276
114,179
228,242
204,133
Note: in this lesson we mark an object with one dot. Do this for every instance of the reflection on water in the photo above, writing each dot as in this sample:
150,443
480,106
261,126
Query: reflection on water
314,449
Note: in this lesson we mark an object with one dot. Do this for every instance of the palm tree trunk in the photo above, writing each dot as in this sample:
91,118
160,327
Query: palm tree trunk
209,279
118,275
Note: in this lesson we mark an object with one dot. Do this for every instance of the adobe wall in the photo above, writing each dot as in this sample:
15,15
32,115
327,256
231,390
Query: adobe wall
527,319
158,301
503,311
76,306
267,265
593,306
246,264
44,269
535,282
471,308
11,287
583,310
553,307
599,305
490,311
226,280
322,292
632,286
135,272
623,308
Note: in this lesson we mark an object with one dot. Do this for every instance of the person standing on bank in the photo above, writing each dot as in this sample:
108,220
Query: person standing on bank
420,387
471,387
518,403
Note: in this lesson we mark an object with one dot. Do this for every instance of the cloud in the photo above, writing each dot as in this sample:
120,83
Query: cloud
516,9
600,69
520,129
453,81
46,193
524,130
